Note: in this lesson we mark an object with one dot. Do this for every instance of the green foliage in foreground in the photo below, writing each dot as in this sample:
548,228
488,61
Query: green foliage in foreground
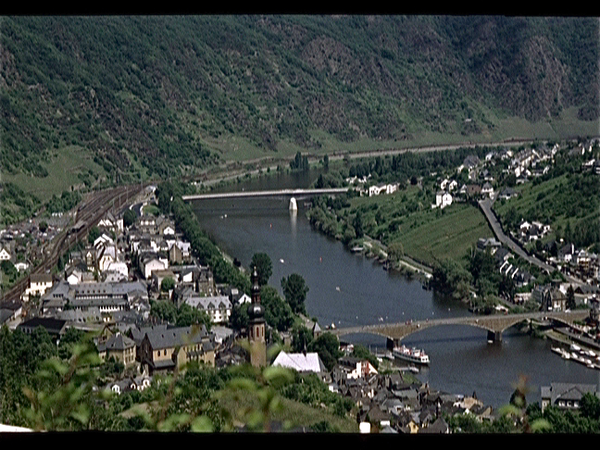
64,391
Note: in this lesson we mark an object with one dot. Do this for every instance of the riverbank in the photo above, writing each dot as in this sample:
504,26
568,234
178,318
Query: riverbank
374,249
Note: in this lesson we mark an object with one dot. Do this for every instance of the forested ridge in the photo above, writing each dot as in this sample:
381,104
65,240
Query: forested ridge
147,97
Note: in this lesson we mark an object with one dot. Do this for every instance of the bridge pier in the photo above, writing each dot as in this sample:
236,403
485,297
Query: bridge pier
494,336
391,343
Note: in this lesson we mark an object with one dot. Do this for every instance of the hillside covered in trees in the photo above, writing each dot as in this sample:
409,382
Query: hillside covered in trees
155,96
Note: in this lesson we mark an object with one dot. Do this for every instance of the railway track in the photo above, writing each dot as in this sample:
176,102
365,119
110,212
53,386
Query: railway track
89,213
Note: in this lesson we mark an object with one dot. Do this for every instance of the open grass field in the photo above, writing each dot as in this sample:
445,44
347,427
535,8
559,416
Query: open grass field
69,168
452,234
426,234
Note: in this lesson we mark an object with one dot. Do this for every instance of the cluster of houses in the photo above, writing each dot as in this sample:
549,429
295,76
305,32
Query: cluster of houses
107,287
390,402
533,231
531,162
569,259
23,243
550,297
503,258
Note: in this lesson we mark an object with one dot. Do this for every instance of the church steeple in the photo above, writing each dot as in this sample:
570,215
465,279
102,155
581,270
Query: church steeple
256,326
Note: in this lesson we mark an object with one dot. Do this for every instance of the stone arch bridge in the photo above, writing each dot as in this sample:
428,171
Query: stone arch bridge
493,324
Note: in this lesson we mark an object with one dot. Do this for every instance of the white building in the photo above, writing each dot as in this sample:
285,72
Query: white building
382,189
4,254
300,362
38,285
149,262
442,199
217,307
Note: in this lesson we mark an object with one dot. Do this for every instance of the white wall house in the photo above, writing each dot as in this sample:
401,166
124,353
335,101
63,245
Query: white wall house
217,307
120,267
38,285
149,263
382,189
442,199
4,254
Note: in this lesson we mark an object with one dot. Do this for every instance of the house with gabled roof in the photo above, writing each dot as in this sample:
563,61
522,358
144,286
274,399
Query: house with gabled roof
120,386
55,327
39,283
217,307
119,347
167,349
152,261
350,367
439,426
566,396
5,254
442,199
487,189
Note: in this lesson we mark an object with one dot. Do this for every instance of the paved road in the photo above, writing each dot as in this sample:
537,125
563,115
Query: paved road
486,207
231,171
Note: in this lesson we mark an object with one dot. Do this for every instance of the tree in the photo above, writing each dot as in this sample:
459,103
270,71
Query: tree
357,223
129,218
451,279
395,251
362,352
164,310
299,162
570,297
589,406
301,339
69,340
327,346
93,234
43,226
278,313
188,316
239,316
167,284
295,290
264,267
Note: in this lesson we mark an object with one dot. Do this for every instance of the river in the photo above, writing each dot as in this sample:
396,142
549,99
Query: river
347,289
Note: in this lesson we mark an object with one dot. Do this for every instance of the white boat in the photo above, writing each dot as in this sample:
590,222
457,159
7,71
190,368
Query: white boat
562,352
413,355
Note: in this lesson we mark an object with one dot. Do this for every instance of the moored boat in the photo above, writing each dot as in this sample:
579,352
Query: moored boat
413,355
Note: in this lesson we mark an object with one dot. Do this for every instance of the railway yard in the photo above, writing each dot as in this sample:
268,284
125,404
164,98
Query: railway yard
89,212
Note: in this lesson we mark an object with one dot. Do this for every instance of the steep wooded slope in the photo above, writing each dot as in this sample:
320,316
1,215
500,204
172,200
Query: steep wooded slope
158,93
